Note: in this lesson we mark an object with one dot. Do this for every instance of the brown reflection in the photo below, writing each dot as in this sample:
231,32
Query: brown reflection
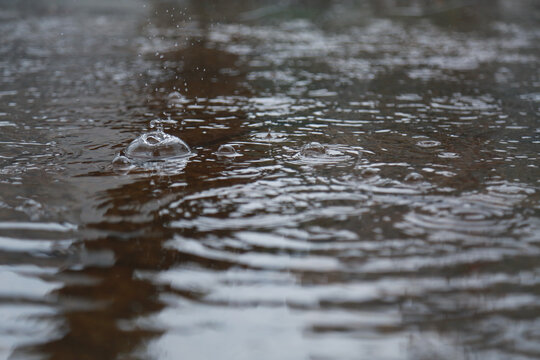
203,73
99,317
117,297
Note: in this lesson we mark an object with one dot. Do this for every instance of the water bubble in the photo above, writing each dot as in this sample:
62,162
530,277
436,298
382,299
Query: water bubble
448,155
370,171
175,95
177,99
428,143
157,145
227,150
413,177
313,149
269,137
315,153
122,163
121,160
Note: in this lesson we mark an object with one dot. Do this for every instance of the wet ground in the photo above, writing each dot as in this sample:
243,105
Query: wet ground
269,180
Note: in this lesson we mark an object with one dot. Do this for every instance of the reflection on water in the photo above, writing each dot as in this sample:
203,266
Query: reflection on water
326,180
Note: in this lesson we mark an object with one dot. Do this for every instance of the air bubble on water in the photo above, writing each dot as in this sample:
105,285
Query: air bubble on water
448,155
313,149
428,143
370,171
413,177
315,153
175,98
121,162
227,150
157,145
269,137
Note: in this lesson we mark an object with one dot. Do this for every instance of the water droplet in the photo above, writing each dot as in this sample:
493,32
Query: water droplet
157,145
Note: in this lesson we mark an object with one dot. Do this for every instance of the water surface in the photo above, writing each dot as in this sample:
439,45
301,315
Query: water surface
332,180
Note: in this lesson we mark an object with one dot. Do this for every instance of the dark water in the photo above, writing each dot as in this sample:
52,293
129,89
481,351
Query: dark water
361,182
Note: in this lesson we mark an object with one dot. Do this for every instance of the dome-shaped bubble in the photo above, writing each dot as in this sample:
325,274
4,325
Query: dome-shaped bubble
413,177
121,161
315,153
227,150
428,143
370,171
313,149
157,145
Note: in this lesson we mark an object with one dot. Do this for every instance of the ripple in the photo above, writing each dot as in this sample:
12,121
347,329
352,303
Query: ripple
484,215
258,260
346,229
31,245
18,225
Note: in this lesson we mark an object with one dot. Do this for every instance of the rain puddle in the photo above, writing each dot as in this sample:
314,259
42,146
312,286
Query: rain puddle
332,180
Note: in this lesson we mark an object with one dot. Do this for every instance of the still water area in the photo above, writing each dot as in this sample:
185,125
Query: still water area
270,179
